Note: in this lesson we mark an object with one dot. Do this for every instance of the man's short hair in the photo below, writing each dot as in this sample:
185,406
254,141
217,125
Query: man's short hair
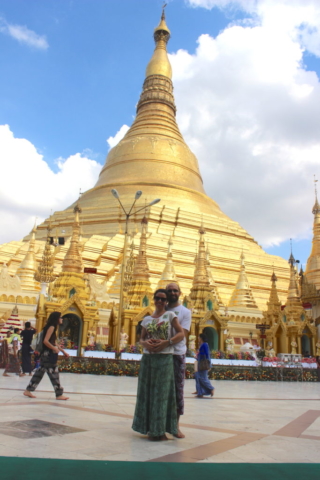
173,283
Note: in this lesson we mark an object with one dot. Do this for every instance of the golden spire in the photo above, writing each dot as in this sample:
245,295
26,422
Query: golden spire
201,276
140,284
72,261
242,295
129,266
159,63
154,143
71,281
168,274
293,297
28,267
201,288
313,264
44,274
274,303
213,285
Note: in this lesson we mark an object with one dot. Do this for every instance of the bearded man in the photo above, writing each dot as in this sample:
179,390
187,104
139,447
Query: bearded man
180,349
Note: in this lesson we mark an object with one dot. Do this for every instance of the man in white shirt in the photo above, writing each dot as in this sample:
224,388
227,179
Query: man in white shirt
180,349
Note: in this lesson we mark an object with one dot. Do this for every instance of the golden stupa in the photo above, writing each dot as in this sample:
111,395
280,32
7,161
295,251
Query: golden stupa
153,157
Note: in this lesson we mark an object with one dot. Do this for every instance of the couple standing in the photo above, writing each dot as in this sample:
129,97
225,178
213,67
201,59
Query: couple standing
160,399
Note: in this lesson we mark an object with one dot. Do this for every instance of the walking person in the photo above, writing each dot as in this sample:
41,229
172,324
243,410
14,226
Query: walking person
26,349
156,410
49,358
180,349
203,384
13,365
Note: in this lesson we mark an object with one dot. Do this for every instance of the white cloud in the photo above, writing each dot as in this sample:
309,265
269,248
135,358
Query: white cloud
30,188
112,141
253,118
23,35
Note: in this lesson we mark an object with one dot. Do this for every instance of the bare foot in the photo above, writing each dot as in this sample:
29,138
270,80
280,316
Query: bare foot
5,375
163,437
212,393
180,434
22,374
153,439
62,397
30,374
199,396
195,393
26,393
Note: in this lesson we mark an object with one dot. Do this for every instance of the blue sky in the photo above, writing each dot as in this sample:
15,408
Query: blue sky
72,73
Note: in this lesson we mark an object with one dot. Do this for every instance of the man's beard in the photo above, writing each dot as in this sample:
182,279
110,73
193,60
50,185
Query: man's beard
173,298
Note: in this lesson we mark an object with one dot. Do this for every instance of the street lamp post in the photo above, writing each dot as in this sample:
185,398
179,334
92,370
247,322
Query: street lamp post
127,215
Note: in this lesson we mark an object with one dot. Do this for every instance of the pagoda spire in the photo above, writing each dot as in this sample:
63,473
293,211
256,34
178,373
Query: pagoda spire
313,264
44,274
211,279
274,303
159,63
293,296
154,142
28,267
72,261
168,274
140,287
71,279
242,295
201,288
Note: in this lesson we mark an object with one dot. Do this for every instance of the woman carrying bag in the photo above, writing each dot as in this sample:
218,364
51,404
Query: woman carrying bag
203,384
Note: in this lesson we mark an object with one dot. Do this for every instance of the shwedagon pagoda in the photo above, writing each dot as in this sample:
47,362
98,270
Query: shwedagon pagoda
225,277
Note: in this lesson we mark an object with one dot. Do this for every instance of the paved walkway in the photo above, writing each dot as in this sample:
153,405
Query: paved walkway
245,422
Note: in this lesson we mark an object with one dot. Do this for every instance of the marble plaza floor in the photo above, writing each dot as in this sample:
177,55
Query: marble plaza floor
246,422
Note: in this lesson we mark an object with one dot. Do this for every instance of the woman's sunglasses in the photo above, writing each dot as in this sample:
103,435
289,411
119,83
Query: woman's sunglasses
160,299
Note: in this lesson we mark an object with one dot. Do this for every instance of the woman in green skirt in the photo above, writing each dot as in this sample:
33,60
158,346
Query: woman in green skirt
156,411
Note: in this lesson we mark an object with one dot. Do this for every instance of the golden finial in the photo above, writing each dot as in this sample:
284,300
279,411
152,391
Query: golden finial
159,63
202,230
291,260
316,207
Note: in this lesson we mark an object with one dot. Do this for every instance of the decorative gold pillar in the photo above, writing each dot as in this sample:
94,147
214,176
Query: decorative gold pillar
133,334
85,330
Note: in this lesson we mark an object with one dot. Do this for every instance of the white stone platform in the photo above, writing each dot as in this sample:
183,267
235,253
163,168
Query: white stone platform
244,422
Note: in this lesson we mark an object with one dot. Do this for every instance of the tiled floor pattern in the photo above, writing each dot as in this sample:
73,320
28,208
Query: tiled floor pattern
245,422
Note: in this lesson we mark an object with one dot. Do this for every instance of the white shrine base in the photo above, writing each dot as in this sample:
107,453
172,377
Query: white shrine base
131,356
72,353
98,354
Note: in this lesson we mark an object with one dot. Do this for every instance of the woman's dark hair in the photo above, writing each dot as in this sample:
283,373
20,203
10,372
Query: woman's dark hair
161,290
27,325
53,321
203,337
16,330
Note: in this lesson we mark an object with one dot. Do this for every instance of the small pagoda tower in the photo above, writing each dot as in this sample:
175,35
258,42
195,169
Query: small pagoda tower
70,291
28,267
168,274
242,297
139,301
140,292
